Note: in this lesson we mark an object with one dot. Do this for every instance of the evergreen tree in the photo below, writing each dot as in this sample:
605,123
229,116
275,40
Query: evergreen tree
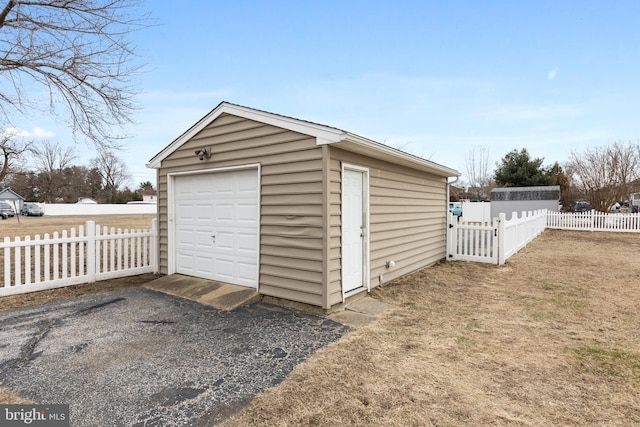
518,169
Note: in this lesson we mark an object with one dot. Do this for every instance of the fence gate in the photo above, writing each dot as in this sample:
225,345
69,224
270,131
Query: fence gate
477,242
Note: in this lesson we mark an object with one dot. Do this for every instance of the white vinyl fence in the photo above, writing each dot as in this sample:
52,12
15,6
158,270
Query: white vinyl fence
65,209
493,242
65,259
476,211
594,221
516,233
498,240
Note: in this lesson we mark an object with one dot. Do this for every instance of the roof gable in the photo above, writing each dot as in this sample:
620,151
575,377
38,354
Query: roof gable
8,193
323,134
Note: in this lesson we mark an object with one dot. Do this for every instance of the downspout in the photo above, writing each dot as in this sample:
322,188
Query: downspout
448,187
448,216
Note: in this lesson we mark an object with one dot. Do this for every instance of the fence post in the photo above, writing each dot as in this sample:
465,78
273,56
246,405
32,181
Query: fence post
153,251
450,232
91,251
495,249
502,220
7,263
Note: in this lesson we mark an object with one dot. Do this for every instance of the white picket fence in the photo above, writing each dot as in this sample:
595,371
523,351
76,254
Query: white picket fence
516,233
65,259
495,242
594,221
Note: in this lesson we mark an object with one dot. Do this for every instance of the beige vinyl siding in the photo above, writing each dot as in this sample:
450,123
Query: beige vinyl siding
291,228
407,216
407,220
163,222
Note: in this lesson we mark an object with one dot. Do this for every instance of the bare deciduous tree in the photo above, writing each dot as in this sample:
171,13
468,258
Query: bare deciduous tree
78,52
50,160
607,173
51,156
11,148
478,172
114,173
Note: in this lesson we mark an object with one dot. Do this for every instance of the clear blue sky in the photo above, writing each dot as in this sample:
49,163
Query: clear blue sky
436,78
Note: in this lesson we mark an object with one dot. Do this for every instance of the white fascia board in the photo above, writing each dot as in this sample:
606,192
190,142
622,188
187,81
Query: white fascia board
323,134
156,161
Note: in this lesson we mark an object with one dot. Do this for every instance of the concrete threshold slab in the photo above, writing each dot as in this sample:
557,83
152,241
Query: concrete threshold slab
360,312
222,296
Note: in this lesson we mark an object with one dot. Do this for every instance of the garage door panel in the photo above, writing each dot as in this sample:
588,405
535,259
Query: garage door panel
186,237
247,243
225,182
247,212
204,265
247,183
225,213
224,205
247,272
225,269
225,241
185,263
203,212
185,211
203,239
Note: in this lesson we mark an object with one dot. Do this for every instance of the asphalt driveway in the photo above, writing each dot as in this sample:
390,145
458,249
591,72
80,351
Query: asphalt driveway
137,357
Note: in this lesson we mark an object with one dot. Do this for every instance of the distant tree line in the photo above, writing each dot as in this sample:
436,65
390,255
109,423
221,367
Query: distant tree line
601,175
53,177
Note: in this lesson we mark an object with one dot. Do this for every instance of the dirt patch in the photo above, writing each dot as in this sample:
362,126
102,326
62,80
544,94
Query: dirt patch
7,397
33,298
550,338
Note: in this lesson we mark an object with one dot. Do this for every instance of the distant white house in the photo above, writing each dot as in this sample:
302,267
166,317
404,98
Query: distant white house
149,195
86,201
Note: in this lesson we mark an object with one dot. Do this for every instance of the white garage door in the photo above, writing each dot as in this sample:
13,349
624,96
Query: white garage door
216,229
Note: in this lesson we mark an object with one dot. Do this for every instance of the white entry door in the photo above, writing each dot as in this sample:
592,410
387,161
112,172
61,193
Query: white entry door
353,230
216,226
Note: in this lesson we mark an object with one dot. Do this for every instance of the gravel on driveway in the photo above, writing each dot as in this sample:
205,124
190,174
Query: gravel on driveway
136,357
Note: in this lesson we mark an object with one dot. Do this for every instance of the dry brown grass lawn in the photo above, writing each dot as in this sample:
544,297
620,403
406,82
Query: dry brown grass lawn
550,338
29,226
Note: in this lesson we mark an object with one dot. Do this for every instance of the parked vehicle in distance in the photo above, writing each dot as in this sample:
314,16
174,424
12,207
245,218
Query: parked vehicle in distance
6,210
455,208
31,209
581,206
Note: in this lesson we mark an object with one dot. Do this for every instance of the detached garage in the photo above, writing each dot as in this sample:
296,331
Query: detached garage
297,210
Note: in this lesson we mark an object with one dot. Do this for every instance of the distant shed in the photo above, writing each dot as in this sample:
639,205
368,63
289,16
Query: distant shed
518,199
14,199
